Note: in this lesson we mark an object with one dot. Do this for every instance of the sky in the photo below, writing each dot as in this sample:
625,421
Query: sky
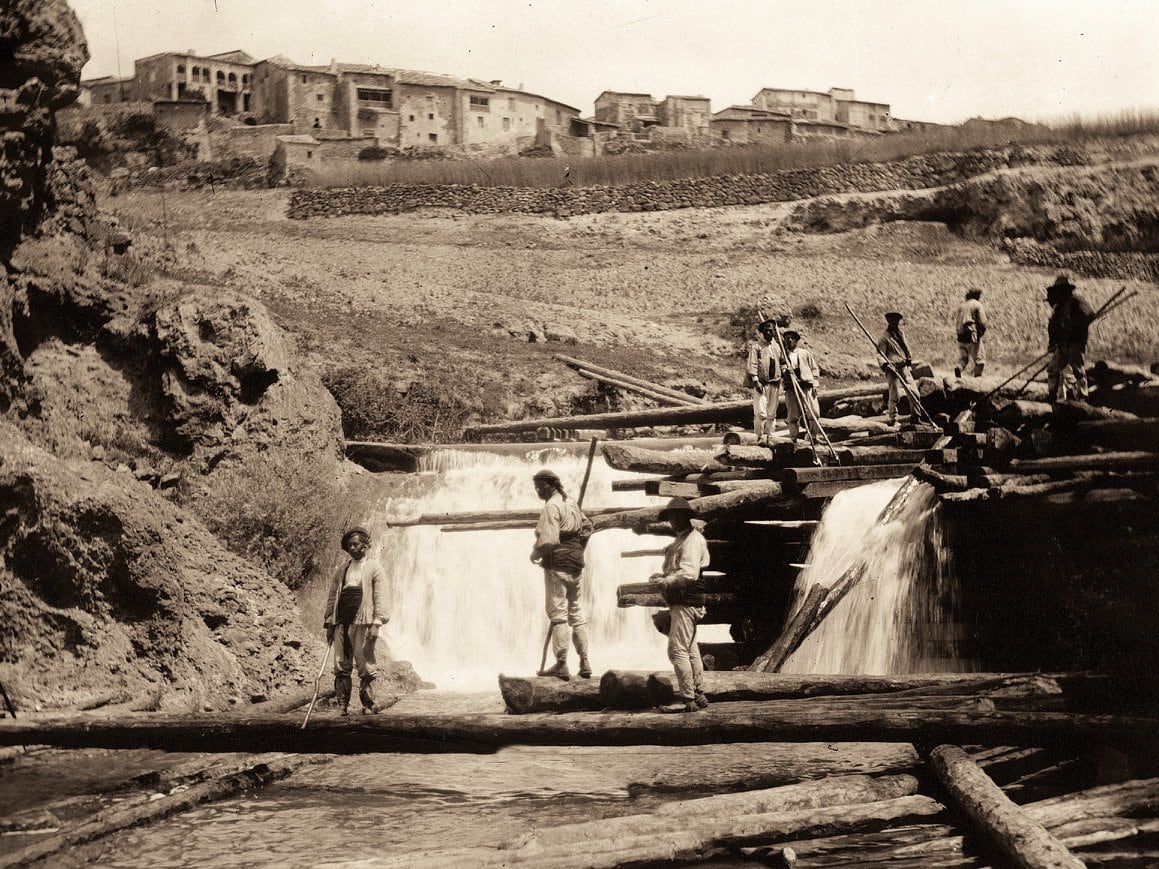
931,60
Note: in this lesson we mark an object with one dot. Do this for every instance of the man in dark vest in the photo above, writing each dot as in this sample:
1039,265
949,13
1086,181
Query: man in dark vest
1067,331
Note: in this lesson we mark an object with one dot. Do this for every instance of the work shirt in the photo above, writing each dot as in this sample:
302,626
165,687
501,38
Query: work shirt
368,573
763,364
684,559
557,532
804,366
1070,321
970,321
894,347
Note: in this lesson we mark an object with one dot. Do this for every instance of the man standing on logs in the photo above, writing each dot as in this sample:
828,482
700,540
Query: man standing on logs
1070,320
355,610
560,537
803,369
896,366
763,377
684,559
970,326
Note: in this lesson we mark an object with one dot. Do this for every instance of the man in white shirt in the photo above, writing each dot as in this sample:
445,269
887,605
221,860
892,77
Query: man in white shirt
684,559
763,377
802,367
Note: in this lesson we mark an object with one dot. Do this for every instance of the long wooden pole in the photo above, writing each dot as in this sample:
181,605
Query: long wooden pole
627,378
909,390
587,471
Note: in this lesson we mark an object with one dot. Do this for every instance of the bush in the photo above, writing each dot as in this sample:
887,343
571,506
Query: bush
278,511
432,409
374,153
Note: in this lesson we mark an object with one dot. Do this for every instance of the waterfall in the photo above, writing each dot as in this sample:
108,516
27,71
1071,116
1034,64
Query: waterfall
900,617
468,605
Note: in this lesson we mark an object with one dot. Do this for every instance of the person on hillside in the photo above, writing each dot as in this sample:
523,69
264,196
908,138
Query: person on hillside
763,378
683,591
896,366
355,611
970,326
560,537
1067,332
800,368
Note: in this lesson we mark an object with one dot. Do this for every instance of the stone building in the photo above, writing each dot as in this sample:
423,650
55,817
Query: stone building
693,114
838,105
225,81
748,125
633,112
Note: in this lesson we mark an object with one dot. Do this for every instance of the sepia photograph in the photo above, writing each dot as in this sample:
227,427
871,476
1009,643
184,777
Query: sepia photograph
623,433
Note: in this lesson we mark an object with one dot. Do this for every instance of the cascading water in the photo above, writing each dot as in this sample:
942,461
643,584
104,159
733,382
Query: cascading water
900,616
468,605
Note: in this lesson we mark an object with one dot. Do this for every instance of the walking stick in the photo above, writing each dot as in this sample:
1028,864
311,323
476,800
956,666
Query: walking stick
317,682
910,392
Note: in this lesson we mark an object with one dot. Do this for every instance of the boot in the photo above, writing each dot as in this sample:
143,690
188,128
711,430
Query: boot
579,639
559,644
559,668
342,688
366,694
978,366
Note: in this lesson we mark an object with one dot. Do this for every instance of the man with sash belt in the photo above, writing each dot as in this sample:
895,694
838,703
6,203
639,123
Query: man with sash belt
560,537
763,378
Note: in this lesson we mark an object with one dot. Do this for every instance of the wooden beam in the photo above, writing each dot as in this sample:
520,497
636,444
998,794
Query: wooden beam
394,732
725,412
524,694
612,375
801,476
486,516
1024,841
1121,461
739,504
661,398
625,457
793,633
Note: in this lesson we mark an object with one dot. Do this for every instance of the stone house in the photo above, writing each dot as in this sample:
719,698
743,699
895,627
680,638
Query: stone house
225,80
105,91
838,105
633,112
693,114
748,125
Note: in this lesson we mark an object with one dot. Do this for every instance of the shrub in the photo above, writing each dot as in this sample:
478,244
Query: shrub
811,310
279,511
432,409
374,153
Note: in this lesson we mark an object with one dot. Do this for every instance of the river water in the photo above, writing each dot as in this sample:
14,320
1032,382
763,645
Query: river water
467,606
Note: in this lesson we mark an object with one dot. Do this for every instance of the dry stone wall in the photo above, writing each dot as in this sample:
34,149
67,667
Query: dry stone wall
932,170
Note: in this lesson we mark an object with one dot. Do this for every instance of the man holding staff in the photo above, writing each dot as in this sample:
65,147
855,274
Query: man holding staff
560,537
763,377
803,369
896,362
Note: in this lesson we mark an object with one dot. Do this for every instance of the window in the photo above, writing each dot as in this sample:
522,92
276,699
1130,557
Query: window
506,124
410,117
303,79
430,117
196,73
433,138
558,116
309,154
480,103
233,78
377,96
511,102
181,69
321,97
245,79
220,77
479,118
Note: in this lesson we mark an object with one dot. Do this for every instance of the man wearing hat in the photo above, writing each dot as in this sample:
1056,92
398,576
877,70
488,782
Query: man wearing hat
763,378
355,610
893,346
970,326
684,559
560,537
1067,332
805,371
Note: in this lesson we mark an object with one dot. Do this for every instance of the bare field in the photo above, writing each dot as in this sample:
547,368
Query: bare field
652,293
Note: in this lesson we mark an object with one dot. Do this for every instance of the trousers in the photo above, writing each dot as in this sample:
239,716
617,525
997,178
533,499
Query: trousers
684,651
765,401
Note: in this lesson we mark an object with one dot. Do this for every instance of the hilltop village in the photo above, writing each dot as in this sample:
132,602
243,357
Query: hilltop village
343,110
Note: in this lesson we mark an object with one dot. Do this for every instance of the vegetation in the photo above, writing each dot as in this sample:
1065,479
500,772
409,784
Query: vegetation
671,165
432,409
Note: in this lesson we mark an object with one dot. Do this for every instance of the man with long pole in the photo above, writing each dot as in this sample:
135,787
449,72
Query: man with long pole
909,390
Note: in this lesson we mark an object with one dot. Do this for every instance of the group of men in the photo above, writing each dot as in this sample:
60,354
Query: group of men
356,602
776,361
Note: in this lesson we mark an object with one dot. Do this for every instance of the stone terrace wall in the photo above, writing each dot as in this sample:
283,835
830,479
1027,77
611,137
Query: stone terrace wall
932,170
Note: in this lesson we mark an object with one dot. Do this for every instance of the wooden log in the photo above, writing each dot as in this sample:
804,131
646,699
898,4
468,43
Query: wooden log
612,375
634,485
835,791
732,412
112,821
1135,797
288,703
483,517
524,694
486,732
794,478
1023,840
625,457
728,686
1121,461
625,689
673,489
1017,412
1118,434
655,600
739,504
661,398
693,840
1071,412
773,657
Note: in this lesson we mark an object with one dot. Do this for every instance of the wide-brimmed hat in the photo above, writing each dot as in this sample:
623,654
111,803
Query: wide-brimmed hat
770,321
546,476
676,505
1062,282
791,333
973,293
894,315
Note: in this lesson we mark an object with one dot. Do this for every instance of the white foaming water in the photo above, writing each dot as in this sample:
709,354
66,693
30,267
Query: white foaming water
468,605
899,618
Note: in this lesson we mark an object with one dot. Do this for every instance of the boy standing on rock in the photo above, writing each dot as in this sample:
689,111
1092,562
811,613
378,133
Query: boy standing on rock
355,610
684,559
